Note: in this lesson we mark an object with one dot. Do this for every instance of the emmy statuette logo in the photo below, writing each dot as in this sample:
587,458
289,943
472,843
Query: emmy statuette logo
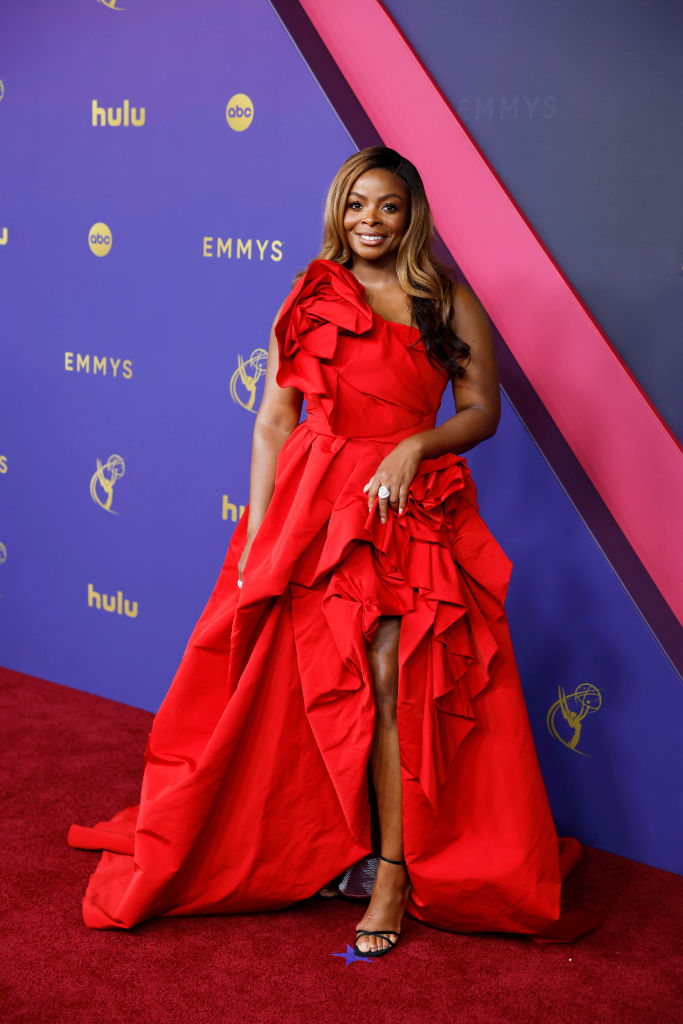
245,378
99,239
565,717
239,112
115,603
103,480
115,117
3,553
111,4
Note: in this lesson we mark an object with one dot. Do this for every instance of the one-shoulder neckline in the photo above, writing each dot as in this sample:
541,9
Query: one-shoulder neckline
394,323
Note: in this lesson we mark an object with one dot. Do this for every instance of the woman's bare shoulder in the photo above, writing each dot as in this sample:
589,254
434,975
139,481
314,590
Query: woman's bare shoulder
469,320
467,309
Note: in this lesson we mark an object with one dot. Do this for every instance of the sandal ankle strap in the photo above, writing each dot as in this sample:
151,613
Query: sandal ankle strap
390,861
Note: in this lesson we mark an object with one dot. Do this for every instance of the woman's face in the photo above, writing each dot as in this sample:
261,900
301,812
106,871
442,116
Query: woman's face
376,215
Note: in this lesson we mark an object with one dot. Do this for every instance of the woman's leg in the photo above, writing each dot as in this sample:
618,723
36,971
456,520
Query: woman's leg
390,893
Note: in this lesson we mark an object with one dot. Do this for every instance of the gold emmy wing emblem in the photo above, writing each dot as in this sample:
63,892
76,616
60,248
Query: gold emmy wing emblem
111,4
245,378
103,480
573,708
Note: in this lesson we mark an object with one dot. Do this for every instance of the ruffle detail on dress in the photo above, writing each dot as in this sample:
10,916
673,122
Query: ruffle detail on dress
433,565
327,299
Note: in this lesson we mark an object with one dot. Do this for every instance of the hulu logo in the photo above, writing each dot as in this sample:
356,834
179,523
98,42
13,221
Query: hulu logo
112,603
116,117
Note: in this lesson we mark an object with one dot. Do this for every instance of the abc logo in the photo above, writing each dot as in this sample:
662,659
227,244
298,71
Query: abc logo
99,239
239,112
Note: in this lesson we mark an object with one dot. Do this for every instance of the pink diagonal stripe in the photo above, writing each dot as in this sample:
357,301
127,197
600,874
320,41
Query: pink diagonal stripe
606,418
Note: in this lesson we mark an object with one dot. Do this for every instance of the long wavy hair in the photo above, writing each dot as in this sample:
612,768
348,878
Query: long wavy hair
420,274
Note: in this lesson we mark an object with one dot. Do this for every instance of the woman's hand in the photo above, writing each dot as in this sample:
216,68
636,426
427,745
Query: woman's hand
396,472
243,560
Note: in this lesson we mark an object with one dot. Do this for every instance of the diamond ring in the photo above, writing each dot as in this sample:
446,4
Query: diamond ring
383,492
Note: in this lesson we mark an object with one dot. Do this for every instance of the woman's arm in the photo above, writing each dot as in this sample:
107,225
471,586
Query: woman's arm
477,403
477,394
277,417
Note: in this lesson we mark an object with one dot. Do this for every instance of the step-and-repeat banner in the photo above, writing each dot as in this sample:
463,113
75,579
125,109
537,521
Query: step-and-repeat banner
163,173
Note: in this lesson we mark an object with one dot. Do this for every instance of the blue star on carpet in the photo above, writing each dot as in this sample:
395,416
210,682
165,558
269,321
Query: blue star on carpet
351,956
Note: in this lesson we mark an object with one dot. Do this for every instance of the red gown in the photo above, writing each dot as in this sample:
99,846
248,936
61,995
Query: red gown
255,788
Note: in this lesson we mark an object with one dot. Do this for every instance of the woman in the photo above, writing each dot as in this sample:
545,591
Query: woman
355,646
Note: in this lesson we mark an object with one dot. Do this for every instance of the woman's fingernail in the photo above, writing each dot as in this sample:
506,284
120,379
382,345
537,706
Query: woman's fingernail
400,511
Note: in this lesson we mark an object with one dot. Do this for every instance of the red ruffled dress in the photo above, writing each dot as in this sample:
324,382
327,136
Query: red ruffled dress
255,788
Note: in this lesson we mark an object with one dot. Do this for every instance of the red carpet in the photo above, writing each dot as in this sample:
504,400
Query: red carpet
70,756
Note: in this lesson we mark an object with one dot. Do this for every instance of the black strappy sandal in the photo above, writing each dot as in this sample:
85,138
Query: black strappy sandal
384,934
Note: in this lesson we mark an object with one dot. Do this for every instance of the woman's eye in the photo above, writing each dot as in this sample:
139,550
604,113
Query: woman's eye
355,204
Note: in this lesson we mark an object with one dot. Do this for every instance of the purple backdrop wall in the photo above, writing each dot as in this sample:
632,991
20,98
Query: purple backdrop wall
126,427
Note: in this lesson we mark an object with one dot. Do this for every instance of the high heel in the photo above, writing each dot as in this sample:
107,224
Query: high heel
384,933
